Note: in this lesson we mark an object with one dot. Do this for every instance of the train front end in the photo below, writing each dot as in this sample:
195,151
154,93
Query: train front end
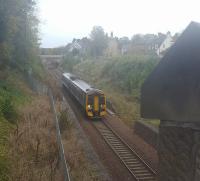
95,104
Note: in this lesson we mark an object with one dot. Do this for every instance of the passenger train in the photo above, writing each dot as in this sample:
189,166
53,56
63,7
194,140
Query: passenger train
92,100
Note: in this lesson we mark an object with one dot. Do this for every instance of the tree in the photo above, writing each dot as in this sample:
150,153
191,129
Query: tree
18,32
99,40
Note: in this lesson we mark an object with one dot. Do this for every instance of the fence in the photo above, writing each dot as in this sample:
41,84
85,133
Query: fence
42,89
61,149
36,85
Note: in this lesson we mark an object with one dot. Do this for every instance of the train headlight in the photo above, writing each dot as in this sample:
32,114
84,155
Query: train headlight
102,106
89,107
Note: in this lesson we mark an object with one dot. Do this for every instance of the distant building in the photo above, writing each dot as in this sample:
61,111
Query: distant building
167,43
124,49
75,45
155,42
124,45
113,46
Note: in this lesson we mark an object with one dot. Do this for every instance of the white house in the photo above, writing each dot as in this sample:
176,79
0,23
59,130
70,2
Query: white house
168,42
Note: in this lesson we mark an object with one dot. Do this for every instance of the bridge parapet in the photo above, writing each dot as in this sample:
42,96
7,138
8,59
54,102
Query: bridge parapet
172,94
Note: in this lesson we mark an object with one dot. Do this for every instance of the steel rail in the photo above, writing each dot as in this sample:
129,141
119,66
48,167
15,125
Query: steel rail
138,168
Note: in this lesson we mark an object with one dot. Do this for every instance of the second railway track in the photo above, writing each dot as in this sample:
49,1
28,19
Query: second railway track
133,162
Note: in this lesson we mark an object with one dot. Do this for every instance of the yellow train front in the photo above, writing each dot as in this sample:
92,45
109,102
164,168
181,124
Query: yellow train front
95,103
92,100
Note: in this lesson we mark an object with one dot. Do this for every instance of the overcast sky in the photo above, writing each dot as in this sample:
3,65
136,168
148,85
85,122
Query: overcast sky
63,20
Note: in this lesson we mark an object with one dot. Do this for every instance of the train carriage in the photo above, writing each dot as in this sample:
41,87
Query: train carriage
92,100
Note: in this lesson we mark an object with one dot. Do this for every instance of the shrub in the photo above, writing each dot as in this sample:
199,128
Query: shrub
7,108
70,61
128,73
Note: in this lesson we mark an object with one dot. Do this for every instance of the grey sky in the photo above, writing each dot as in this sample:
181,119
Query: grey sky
63,20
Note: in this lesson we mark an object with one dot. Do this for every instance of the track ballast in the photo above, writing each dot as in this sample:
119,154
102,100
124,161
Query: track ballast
133,162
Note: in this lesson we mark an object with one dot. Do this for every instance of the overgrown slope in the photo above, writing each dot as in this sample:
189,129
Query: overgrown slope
13,93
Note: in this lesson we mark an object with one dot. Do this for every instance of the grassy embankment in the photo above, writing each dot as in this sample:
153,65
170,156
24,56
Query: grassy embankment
120,78
12,94
18,108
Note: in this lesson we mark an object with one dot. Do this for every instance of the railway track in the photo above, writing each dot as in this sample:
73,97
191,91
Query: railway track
133,162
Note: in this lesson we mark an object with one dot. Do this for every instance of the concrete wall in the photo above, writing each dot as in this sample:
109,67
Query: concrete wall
179,153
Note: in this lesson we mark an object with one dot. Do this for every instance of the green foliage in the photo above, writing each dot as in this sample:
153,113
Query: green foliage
121,79
70,61
64,121
7,107
99,41
18,32
10,98
129,72
38,69
4,55
5,127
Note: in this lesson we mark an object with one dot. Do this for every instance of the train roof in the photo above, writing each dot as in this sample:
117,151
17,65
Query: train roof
82,84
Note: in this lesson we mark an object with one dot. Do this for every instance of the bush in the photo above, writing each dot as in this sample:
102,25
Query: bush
129,72
64,121
7,108
70,61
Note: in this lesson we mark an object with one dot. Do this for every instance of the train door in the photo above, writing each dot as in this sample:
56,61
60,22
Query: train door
93,106
96,104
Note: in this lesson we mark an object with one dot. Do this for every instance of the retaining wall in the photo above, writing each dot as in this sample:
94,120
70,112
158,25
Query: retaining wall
147,132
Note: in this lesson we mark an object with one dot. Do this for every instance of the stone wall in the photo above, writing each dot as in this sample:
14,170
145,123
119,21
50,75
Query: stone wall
179,153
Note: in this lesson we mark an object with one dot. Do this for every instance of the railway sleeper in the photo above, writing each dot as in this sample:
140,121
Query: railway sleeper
131,161
129,158
113,140
117,143
107,133
149,178
140,171
137,168
118,146
124,151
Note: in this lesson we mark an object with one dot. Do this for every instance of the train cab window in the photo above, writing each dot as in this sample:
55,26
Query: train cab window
90,100
102,99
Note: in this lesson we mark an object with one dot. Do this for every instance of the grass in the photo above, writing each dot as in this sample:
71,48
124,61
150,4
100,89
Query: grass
13,93
27,149
33,146
38,69
79,165
5,128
